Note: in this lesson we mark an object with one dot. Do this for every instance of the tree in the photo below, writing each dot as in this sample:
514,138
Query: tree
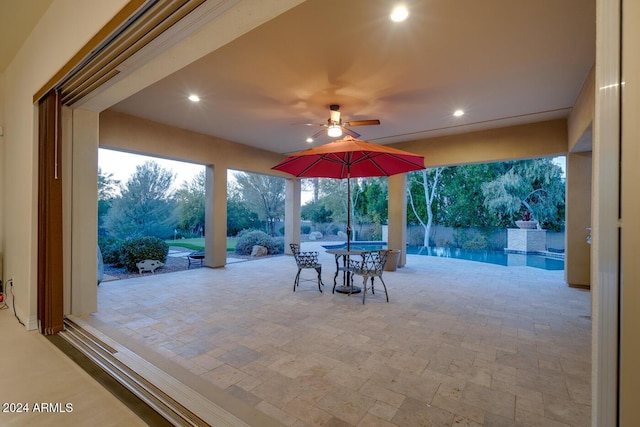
191,200
239,216
313,185
315,212
334,198
424,186
107,190
264,194
372,203
535,187
145,206
461,201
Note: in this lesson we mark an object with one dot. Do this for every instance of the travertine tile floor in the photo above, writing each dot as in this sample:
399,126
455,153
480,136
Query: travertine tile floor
41,386
459,344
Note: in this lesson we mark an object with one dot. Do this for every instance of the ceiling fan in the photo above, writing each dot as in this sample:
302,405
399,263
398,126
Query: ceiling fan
335,127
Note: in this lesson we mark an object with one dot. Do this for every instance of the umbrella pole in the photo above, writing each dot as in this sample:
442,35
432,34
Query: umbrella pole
348,210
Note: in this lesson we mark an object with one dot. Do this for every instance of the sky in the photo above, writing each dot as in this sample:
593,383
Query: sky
122,165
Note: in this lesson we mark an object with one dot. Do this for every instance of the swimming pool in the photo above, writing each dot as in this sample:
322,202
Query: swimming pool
367,245
491,257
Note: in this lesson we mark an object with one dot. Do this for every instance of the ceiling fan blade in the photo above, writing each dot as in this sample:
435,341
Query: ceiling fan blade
350,132
363,123
317,134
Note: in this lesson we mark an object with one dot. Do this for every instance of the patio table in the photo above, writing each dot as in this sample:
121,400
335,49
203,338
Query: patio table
347,287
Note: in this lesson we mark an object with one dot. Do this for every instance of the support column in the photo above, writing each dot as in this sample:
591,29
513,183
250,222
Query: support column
397,204
291,213
577,259
215,237
630,205
605,273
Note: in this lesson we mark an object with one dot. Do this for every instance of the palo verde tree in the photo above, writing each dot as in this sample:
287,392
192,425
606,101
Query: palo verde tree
264,195
145,206
334,198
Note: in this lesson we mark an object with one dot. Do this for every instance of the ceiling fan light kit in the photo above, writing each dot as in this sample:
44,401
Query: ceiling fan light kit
334,131
335,127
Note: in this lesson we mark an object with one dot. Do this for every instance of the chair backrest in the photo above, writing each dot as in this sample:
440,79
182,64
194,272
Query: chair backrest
374,261
295,248
304,259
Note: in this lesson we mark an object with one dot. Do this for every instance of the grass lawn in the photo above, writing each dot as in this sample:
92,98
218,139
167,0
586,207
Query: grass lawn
197,243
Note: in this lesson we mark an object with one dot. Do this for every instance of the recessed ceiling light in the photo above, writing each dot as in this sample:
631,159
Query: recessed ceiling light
399,13
458,113
309,140
194,98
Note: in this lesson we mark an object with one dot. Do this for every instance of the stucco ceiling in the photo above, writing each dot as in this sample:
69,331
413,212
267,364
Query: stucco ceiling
504,62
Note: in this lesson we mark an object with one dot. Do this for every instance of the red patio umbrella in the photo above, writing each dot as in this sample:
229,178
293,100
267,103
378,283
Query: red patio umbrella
347,158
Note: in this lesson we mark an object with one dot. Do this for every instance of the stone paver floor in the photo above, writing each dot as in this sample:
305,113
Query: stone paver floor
459,344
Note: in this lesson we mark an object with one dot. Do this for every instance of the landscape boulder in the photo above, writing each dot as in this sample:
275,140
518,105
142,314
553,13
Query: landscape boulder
315,235
258,250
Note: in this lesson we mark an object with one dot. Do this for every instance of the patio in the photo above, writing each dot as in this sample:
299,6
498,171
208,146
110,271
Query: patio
459,343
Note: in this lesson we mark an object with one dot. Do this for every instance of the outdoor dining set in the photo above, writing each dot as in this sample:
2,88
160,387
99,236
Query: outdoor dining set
348,158
367,264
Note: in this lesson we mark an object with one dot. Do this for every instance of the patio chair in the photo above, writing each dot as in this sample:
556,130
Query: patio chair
371,266
306,260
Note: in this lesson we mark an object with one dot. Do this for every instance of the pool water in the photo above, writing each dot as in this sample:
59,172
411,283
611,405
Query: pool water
359,245
491,257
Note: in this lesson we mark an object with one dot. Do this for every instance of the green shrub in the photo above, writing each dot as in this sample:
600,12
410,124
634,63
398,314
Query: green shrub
247,239
477,243
110,248
305,229
277,245
140,248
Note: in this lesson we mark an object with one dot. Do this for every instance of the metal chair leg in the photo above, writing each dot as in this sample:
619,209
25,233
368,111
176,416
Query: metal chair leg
385,288
319,270
364,288
296,282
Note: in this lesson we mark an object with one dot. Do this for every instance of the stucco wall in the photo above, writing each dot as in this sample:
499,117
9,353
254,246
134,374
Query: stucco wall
578,209
542,139
581,117
128,133
50,45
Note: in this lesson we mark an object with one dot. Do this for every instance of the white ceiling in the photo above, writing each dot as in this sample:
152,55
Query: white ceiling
503,61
